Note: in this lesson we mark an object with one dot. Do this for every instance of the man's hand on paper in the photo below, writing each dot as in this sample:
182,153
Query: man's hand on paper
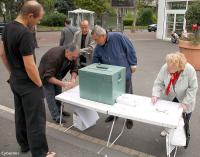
68,84
73,81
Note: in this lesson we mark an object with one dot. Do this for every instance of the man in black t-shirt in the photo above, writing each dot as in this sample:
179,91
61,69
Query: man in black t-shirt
17,54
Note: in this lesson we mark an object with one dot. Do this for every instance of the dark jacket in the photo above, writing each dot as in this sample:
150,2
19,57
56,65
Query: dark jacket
51,64
67,35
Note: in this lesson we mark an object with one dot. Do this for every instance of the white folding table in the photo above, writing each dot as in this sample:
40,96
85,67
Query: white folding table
72,97
164,113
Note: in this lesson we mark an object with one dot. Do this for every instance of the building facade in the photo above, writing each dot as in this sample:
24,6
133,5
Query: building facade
171,17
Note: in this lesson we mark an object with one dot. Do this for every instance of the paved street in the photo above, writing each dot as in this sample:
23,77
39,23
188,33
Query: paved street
142,138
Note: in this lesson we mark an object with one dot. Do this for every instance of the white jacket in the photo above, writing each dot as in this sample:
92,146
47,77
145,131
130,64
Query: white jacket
185,88
89,42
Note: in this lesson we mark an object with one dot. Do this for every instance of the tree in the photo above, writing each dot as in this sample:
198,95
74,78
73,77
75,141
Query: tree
192,17
13,6
63,6
47,4
98,6
146,16
139,4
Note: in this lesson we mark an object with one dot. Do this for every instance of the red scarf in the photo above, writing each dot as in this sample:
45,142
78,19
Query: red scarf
174,78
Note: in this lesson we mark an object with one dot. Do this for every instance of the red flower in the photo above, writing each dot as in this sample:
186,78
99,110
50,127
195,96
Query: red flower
194,27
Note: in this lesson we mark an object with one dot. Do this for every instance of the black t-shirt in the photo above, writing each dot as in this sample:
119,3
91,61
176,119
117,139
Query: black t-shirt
83,41
18,42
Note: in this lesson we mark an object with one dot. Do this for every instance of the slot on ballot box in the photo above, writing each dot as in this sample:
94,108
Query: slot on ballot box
102,83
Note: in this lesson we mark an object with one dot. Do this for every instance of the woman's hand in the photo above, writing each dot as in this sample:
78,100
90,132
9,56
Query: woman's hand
154,100
184,107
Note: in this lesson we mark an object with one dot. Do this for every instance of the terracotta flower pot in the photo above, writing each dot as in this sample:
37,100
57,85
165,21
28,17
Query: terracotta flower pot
191,52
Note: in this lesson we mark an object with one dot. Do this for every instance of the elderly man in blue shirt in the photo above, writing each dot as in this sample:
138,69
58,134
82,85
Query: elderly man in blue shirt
114,48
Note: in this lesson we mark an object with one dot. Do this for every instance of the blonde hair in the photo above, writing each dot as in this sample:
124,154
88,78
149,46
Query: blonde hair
177,59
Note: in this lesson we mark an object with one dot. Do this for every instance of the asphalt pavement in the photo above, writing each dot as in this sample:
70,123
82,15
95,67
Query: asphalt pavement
144,140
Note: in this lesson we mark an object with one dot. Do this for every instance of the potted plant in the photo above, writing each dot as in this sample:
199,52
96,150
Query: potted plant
189,44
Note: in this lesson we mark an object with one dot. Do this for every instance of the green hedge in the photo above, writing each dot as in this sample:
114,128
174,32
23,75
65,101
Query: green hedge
128,22
128,19
53,19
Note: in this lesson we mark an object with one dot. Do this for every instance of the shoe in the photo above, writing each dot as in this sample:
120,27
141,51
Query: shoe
58,120
129,124
66,114
110,119
51,154
24,150
164,133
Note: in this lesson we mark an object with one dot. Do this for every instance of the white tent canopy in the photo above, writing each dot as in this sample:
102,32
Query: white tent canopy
81,11
78,15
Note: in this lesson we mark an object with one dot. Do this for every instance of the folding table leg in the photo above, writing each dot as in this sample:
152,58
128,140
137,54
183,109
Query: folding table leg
168,145
108,142
175,151
61,108
119,134
69,128
111,130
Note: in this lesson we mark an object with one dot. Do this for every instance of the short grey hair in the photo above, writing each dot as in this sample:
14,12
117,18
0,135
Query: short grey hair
98,30
71,47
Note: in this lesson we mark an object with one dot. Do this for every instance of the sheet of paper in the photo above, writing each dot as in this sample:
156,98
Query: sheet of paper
88,117
140,108
142,103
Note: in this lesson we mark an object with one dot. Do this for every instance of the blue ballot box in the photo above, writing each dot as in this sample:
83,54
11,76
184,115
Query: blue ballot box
102,83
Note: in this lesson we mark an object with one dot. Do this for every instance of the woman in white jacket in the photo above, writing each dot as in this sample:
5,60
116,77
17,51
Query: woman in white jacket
177,82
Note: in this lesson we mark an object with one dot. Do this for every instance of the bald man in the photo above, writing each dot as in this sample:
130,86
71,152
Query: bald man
17,54
85,43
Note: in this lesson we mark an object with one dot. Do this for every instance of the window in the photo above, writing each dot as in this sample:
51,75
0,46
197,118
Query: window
177,5
170,24
175,22
179,23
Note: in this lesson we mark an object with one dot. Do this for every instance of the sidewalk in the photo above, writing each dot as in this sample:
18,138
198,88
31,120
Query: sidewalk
9,146
62,143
